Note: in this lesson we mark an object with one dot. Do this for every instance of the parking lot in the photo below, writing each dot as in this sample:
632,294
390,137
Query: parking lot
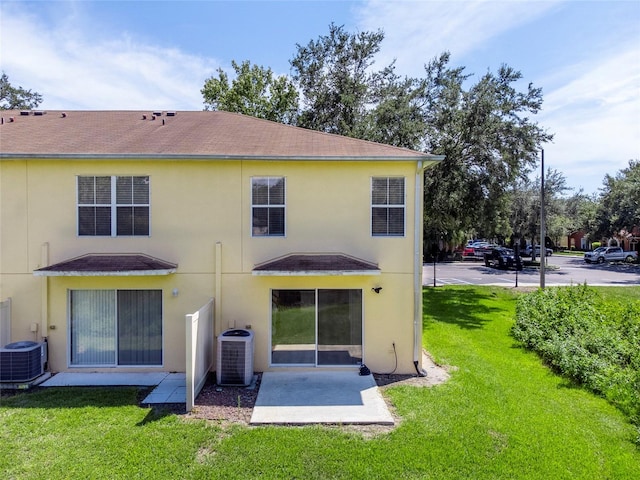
561,270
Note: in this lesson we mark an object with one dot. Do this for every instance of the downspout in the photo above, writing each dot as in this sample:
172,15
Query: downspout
218,293
44,305
417,270
44,293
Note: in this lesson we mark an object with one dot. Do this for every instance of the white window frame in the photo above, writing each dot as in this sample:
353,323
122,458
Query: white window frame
268,205
113,205
387,205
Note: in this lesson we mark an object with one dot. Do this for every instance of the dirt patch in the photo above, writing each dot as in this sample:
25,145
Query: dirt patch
226,404
234,405
435,375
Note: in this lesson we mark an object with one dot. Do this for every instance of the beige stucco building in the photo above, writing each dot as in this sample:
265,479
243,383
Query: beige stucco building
117,224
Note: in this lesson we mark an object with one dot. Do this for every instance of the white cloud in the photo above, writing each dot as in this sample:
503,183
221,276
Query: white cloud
595,116
416,31
74,67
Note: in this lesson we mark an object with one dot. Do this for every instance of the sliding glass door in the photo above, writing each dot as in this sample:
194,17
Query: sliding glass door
115,327
316,327
339,327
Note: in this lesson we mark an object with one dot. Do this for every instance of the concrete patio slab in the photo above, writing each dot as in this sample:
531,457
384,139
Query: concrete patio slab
93,379
319,396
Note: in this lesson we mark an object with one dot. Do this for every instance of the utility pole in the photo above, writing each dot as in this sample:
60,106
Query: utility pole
543,233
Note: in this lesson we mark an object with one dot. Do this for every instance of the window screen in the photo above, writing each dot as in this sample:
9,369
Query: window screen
387,206
268,206
112,205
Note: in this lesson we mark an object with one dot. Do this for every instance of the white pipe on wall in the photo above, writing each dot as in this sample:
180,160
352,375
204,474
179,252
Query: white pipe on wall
417,286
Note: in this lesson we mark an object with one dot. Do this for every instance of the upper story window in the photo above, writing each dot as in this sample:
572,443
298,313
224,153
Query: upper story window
113,205
387,206
268,206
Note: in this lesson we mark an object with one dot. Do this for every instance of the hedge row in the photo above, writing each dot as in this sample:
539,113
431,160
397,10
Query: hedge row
583,336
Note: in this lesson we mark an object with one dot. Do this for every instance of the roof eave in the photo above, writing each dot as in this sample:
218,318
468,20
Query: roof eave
314,273
174,156
108,273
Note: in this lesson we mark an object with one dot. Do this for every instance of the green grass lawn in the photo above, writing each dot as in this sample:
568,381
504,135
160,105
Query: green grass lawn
502,415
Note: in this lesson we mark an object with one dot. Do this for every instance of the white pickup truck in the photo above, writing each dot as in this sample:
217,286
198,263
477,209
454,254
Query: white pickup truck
610,254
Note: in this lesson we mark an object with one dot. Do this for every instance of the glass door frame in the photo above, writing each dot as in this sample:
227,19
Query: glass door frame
316,346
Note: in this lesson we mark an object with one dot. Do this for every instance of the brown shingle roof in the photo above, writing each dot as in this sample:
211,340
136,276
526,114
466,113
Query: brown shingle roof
108,265
184,134
316,264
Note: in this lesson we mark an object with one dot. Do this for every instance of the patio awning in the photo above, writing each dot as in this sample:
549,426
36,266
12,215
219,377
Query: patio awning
311,264
105,265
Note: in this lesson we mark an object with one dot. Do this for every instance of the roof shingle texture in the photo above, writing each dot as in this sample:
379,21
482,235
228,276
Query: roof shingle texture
316,263
110,263
208,134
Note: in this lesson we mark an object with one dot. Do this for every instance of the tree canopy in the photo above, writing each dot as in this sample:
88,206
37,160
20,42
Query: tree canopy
17,98
335,78
619,206
255,91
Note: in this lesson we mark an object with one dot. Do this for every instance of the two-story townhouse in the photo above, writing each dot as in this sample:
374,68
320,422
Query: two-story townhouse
115,224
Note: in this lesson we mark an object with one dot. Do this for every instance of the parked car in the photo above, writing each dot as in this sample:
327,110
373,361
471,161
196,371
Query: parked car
592,256
476,251
527,251
610,254
503,258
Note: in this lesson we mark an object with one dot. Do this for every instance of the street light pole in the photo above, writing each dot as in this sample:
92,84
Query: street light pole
517,257
543,233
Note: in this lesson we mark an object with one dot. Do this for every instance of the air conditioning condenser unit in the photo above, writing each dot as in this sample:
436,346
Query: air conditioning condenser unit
22,361
235,357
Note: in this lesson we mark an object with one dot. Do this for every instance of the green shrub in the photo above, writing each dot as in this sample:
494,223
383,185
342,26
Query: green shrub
595,245
586,338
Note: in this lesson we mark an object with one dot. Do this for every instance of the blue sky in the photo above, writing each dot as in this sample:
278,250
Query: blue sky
585,55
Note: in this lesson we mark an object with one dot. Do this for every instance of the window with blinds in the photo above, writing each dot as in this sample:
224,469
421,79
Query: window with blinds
387,206
113,205
268,206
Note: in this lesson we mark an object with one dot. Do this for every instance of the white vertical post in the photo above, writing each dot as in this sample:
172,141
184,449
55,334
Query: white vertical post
417,286
218,294
191,331
5,322
44,292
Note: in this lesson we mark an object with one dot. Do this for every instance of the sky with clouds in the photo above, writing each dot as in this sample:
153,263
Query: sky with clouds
585,55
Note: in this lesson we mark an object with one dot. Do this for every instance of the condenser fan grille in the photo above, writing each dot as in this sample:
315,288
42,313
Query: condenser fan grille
232,362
